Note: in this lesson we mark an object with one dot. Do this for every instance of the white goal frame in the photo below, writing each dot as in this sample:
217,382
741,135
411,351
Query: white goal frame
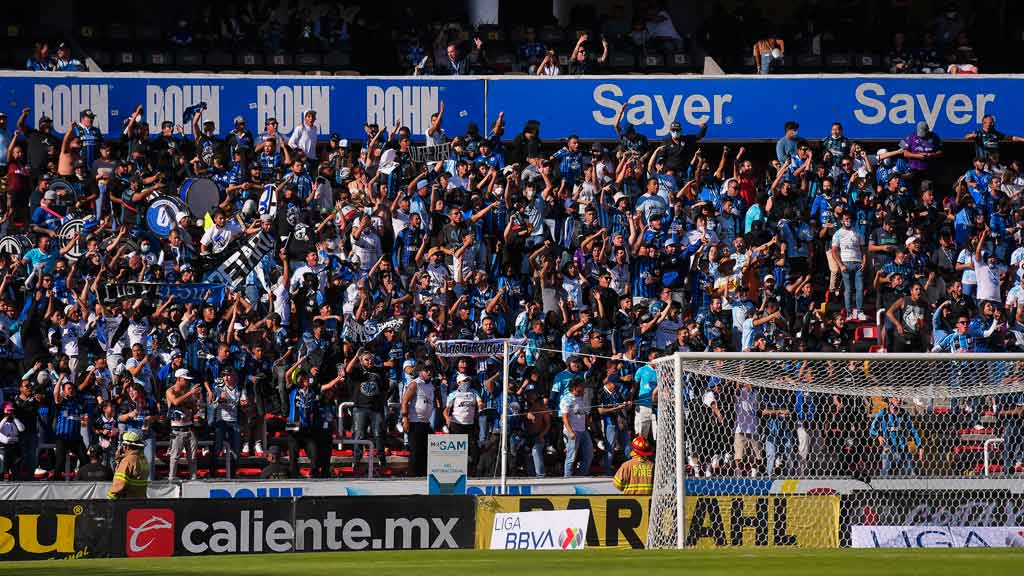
679,360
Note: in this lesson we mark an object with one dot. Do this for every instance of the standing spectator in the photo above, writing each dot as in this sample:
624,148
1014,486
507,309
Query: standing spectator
893,427
11,430
42,142
26,410
370,394
767,52
303,411
305,137
847,251
40,61
987,139
580,62
182,403
67,427
579,450
745,431
65,62
419,403
920,149
461,409
536,425
227,398
786,146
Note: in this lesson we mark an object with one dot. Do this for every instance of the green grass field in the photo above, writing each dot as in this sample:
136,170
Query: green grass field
734,562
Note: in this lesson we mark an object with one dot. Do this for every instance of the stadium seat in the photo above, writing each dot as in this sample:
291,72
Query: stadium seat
308,59
868,61
281,59
808,61
231,72
680,61
346,73
337,59
100,57
490,33
652,61
158,58
289,72
188,59
552,36
126,59
260,72
865,332
503,61
318,73
218,59
839,61
249,59
621,61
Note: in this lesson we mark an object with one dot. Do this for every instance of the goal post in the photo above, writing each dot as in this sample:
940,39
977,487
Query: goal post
837,449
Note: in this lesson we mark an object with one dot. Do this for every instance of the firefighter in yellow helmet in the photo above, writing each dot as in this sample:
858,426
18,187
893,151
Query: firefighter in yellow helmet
636,475
132,475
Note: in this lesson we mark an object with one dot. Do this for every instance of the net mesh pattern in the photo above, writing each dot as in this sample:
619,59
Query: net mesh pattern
826,452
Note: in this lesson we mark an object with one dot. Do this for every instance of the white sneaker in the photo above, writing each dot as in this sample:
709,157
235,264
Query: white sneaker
245,449
600,445
861,316
259,448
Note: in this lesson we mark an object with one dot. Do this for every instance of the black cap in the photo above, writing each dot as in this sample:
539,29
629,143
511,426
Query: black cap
675,126
45,118
88,112
335,137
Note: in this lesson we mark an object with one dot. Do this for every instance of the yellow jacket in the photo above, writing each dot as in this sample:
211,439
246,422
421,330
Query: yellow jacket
131,477
635,476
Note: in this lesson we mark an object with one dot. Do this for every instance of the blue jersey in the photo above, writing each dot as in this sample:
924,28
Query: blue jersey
69,417
646,379
91,138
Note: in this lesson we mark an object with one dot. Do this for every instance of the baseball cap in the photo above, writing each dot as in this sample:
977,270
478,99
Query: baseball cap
675,126
50,195
186,268
239,120
462,378
88,112
45,118
911,240
335,137
266,218
768,277
182,373
530,388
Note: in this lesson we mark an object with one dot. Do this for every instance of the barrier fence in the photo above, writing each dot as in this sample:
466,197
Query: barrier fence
883,107
893,513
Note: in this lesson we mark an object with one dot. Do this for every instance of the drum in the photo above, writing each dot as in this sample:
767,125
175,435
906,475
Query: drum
163,213
268,201
200,194
61,185
15,245
130,243
67,234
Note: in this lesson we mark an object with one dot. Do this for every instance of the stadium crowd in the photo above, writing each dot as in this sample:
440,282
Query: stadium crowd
596,258
411,38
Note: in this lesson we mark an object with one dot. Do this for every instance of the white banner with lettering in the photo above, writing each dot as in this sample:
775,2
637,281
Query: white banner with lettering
543,530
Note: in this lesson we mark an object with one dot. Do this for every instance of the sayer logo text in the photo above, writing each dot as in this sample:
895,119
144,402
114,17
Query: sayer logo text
150,532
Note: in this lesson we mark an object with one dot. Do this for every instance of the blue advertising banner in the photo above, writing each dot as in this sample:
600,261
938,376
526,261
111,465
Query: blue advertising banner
343,104
735,107
750,108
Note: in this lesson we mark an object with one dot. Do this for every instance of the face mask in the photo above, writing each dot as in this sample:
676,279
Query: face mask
144,248
676,133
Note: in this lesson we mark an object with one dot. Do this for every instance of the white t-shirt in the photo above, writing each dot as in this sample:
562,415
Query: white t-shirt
849,243
968,277
217,239
988,280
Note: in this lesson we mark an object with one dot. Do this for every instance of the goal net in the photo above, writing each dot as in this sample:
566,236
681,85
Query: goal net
835,450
